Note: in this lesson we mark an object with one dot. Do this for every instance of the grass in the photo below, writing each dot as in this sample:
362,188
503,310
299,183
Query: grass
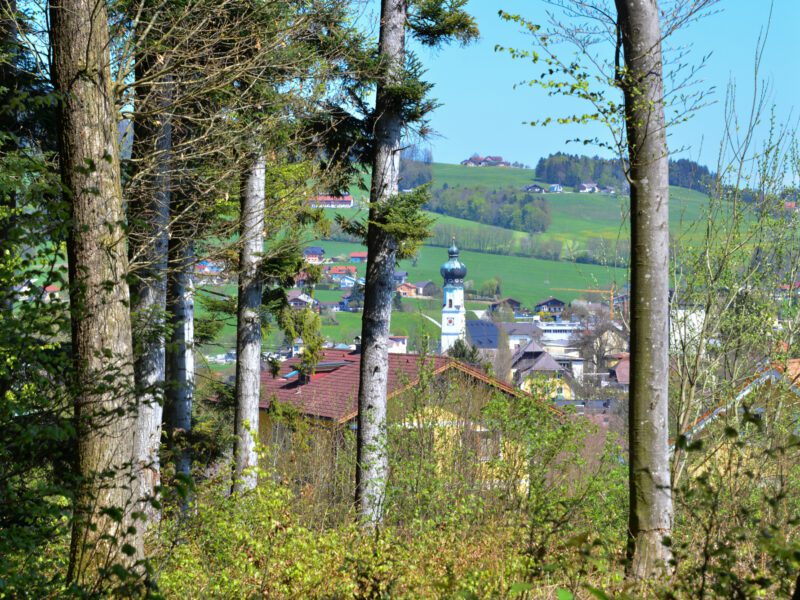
576,218
528,279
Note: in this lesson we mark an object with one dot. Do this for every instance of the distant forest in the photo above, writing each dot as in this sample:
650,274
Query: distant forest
571,169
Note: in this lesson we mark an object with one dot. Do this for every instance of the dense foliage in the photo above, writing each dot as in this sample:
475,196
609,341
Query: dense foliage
570,170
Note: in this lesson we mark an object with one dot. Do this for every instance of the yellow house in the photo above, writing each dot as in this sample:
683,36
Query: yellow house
535,371
435,404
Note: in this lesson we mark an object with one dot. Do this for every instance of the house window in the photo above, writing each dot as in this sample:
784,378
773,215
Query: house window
450,303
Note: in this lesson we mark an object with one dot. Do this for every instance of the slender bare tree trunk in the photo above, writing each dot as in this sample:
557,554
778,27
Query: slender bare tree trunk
382,254
102,349
179,388
650,516
148,219
248,326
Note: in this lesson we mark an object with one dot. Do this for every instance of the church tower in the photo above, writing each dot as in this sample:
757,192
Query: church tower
454,323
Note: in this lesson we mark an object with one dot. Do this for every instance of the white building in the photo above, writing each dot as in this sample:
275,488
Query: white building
454,314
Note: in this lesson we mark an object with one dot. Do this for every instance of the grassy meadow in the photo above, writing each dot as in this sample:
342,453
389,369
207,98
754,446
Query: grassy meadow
576,218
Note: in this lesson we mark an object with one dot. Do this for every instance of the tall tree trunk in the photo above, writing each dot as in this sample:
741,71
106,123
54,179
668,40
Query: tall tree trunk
8,124
382,249
179,387
248,325
650,516
105,407
148,220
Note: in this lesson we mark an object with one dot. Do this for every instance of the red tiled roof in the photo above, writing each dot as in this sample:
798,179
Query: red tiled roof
333,394
341,270
358,255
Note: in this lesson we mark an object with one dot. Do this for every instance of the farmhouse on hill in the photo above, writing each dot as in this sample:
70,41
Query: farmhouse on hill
485,161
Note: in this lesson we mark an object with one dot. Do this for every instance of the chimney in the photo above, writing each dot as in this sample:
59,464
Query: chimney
357,343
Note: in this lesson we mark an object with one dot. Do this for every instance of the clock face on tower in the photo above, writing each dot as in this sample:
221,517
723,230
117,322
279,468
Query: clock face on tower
451,321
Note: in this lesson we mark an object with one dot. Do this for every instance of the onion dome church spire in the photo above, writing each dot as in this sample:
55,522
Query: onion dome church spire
453,271
454,323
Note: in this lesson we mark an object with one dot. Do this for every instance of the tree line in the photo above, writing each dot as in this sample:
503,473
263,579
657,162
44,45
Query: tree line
572,169
506,207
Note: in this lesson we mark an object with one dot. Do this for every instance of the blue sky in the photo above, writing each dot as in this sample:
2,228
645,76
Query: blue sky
482,112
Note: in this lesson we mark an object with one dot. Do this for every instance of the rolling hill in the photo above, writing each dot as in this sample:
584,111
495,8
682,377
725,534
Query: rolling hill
576,218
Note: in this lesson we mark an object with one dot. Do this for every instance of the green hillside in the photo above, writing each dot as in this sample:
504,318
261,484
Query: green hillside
576,218
528,279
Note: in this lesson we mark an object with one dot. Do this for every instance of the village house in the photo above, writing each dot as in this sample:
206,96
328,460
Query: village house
520,333
559,338
314,255
398,344
535,189
552,305
298,299
506,303
336,272
329,395
407,290
358,257
426,288
346,282
619,375
532,366
588,188
400,277
555,188
328,201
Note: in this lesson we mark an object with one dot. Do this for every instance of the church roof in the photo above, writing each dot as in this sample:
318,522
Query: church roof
453,271
482,334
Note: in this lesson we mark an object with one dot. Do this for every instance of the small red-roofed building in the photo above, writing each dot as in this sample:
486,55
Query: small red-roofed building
358,257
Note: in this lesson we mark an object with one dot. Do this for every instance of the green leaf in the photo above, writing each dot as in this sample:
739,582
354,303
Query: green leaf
519,588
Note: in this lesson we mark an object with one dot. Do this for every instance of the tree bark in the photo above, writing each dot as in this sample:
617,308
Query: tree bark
8,124
248,326
382,249
650,516
104,530
148,220
179,388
